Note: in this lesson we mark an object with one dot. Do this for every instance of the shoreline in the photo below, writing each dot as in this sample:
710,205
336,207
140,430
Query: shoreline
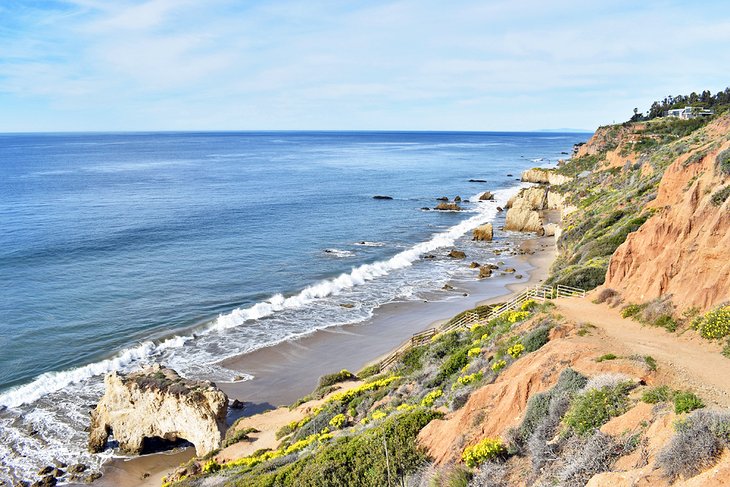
289,370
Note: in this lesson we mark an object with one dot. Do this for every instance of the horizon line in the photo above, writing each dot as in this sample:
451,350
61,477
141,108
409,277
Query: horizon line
264,131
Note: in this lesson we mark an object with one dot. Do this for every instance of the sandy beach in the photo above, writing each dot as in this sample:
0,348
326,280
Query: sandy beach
285,372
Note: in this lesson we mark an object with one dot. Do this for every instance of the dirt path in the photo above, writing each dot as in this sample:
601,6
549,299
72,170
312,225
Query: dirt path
695,363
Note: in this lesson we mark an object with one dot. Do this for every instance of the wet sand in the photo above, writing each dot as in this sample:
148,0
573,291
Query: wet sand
285,372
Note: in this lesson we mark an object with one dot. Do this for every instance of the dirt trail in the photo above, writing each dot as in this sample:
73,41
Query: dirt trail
694,363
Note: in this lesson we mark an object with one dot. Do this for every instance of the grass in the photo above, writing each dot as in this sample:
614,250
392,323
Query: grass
658,394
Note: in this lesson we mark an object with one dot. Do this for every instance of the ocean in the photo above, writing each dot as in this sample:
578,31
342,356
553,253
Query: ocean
118,250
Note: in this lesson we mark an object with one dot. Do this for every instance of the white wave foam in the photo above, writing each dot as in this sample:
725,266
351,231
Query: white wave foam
54,381
339,252
365,243
361,274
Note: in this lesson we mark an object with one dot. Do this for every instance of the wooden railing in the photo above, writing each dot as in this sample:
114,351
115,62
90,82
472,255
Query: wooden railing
471,318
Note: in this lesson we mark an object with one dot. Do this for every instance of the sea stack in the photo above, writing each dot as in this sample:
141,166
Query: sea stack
157,404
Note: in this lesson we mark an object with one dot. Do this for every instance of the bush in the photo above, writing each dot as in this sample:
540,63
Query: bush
591,409
667,322
630,310
719,197
587,458
714,324
498,365
467,379
538,405
723,161
656,309
234,436
485,450
696,446
605,295
650,362
431,397
536,339
369,371
685,402
657,394
607,356
412,358
331,379
516,350
338,421
528,305
492,474
452,365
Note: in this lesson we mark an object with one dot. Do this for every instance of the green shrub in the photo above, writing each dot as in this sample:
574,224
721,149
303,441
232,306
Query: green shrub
338,421
536,339
631,310
487,449
431,397
650,362
591,409
331,379
583,277
369,371
720,196
685,402
516,350
666,321
714,324
413,358
657,394
723,161
607,356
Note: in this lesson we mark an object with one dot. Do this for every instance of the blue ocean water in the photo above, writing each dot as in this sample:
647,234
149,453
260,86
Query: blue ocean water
118,249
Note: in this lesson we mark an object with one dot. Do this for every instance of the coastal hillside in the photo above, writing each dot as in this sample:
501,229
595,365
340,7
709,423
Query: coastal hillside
625,386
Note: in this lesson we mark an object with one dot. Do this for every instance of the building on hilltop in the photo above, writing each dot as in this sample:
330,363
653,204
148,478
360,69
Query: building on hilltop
688,113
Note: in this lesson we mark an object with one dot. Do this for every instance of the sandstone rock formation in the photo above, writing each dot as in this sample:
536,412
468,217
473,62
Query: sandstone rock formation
543,176
521,217
157,403
484,232
444,206
683,249
486,196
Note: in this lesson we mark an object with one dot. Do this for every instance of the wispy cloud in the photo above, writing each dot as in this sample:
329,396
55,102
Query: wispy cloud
402,64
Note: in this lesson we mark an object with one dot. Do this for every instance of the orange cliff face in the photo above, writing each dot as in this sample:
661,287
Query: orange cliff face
684,249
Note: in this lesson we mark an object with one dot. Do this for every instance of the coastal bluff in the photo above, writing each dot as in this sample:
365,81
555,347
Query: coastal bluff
157,405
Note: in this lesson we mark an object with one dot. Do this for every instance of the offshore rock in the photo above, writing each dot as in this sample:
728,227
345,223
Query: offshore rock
486,196
457,254
157,403
484,232
444,206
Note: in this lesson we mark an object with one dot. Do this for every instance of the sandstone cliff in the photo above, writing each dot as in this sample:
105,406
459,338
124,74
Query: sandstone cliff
157,403
543,176
683,249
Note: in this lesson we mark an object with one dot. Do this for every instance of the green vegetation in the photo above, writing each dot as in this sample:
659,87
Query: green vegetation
234,436
487,449
331,379
591,409
720,196
657,394
723,162
714,324
607,356
685,402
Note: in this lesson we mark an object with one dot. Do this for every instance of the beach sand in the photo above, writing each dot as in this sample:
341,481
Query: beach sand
285,372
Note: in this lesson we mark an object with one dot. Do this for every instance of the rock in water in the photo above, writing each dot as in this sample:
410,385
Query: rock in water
484,232
157,403
457,199
443,206
457,254
486,196
485,271
382,197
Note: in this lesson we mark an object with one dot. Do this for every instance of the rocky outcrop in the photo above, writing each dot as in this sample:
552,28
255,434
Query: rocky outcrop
457,254
156,403
521,217
683,249
485,271
543,176
484,232
444,206
486,196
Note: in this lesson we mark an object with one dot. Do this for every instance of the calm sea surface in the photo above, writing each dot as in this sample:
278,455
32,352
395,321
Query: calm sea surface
120,249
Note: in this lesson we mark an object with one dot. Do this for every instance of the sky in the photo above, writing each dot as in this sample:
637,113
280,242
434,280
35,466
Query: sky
138,65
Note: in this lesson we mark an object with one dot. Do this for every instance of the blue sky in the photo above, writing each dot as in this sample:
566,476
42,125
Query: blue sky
338,65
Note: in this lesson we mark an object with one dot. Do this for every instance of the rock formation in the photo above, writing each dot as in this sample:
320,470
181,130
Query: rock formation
157,403
683,249
521,217
444,206
484,232
457,254
543,176
486,196
485,271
